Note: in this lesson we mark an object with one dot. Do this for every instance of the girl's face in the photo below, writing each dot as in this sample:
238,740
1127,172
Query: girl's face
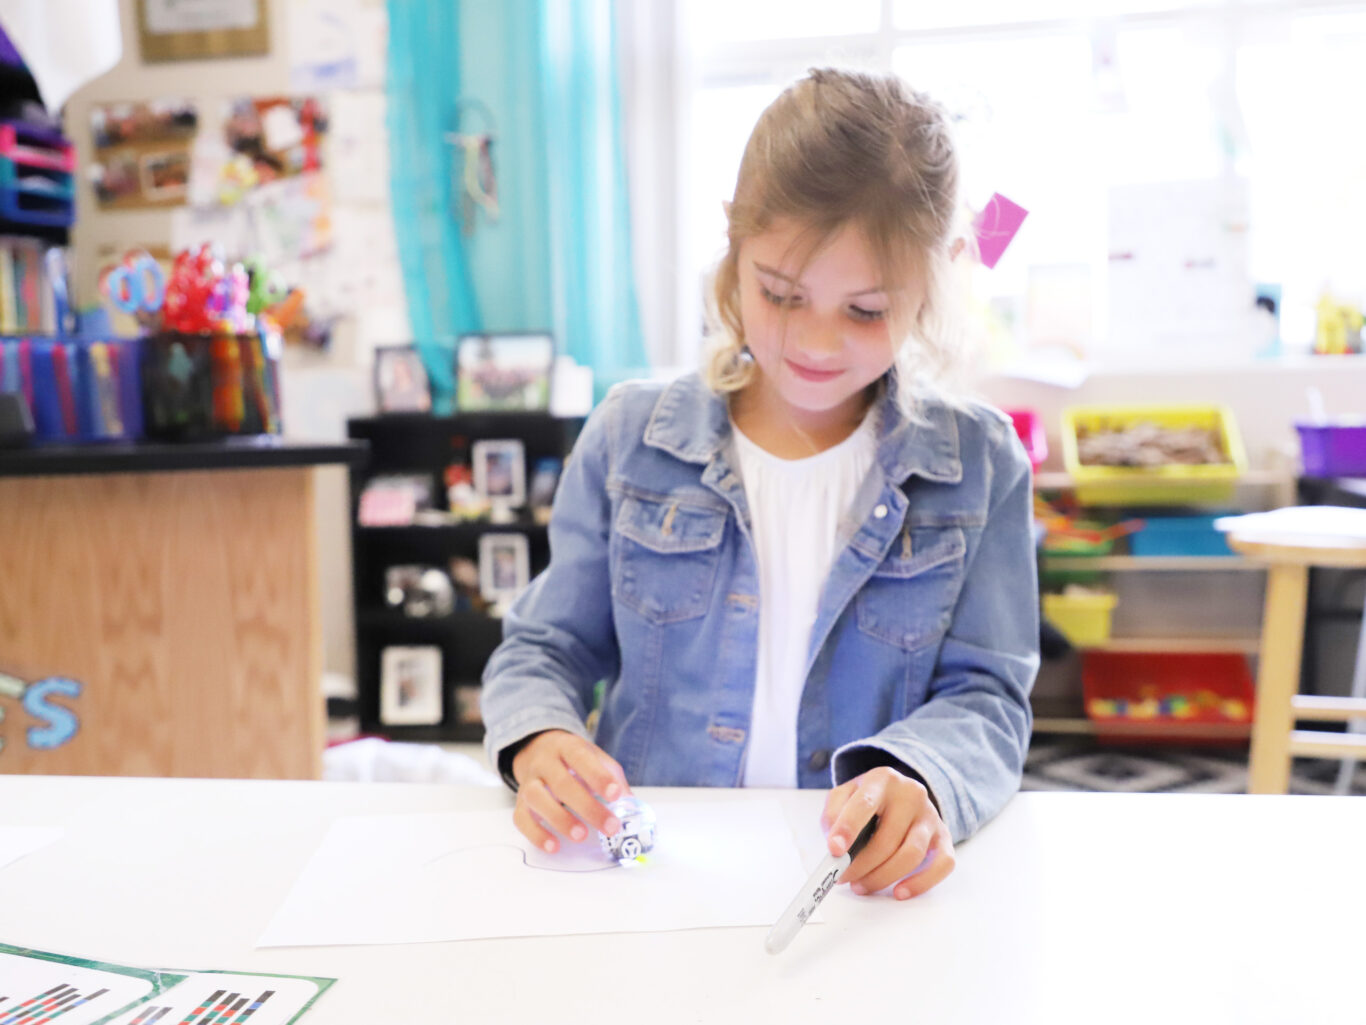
821,336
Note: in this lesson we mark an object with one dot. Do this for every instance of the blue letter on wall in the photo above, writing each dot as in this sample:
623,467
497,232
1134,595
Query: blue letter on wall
61,722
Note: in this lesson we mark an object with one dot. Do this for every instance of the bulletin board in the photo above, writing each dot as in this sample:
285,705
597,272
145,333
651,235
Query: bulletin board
172,30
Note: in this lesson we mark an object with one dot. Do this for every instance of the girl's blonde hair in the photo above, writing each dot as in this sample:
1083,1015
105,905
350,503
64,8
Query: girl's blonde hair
841,148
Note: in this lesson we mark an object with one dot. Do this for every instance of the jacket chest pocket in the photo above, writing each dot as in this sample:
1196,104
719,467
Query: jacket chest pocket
909,599
667,556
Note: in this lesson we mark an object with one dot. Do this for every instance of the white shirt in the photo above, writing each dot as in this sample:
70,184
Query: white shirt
795,506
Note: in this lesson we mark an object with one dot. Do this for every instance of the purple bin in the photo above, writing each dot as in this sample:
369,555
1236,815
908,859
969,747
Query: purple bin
1333,450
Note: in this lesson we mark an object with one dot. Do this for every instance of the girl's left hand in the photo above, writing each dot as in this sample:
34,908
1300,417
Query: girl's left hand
909,831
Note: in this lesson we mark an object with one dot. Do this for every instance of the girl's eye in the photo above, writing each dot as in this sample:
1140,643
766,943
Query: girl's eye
778,300
867,316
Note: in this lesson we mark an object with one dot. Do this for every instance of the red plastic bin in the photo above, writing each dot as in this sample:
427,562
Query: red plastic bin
1156,689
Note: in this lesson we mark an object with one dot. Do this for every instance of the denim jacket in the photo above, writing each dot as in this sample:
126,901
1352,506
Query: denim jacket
925,643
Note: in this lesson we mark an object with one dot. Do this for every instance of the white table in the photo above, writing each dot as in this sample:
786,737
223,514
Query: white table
1067,908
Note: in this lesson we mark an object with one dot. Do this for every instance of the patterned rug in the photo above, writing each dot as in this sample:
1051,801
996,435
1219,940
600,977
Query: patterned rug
1072,764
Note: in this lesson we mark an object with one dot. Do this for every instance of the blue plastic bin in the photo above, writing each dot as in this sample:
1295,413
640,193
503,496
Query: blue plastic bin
1179,535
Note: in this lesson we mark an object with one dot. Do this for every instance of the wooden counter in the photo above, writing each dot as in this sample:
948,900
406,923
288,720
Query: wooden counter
159,609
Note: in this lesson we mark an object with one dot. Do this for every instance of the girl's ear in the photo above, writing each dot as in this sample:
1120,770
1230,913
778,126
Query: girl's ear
725,208
958,245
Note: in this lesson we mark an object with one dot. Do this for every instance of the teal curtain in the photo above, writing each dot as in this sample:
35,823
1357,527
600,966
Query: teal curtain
558,257
423,82
593,296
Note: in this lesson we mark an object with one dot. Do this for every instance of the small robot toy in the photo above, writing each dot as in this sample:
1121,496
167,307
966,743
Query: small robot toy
637,833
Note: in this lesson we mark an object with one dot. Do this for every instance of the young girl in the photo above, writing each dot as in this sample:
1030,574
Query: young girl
802,567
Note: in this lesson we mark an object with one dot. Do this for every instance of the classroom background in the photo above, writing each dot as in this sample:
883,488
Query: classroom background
307,302
303,304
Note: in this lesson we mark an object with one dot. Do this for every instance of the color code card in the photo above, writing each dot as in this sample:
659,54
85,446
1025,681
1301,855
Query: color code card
215,998
35,990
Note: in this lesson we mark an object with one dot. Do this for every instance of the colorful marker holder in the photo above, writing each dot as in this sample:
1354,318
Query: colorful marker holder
202,386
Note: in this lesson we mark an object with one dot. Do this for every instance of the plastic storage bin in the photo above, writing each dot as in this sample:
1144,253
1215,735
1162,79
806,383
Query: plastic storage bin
1333,450
1029,426
1084,619
1174,484
1068,546
1179,536
1166,689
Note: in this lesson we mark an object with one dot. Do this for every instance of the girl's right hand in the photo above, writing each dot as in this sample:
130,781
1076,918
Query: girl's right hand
560,777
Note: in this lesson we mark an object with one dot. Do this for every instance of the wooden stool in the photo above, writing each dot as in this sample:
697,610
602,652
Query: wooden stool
1274,739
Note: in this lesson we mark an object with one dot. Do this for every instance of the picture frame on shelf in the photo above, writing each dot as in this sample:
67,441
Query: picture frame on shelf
394,500
545,479
504,566
500,472
410,692
401,384
467,705
504,371
420,591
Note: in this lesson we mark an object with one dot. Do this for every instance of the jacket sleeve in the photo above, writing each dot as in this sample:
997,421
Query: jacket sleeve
967,742
559,638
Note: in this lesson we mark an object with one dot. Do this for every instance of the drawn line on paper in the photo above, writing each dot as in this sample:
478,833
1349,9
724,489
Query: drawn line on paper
522,852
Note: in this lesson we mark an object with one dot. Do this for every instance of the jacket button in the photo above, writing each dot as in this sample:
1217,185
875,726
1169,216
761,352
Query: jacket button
819,760
880,511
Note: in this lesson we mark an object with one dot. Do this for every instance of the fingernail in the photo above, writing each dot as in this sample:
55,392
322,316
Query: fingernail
611,826
839,843
902,893
549,845
612,792
578,833
859,888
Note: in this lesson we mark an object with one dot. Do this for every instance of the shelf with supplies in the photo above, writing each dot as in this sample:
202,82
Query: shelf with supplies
450,522
1163,618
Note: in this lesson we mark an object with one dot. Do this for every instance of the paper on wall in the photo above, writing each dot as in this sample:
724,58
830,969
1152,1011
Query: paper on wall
359,155
1179,279
325,37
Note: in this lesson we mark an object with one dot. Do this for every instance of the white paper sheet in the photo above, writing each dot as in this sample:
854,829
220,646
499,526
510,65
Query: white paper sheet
470,875
18,841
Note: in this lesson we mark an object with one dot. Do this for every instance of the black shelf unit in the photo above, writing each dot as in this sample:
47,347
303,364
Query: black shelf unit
418,443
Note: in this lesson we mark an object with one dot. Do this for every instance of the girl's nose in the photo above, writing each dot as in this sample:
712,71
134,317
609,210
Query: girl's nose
821,341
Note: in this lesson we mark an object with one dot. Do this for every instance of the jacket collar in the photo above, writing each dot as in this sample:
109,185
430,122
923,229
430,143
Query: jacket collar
692,423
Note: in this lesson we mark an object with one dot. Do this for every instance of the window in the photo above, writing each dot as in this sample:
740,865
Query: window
1061,101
